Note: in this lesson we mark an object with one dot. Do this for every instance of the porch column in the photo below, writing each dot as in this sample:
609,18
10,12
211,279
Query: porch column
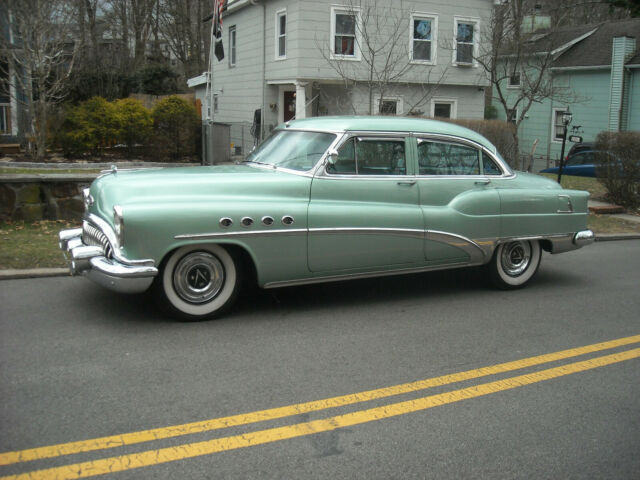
301,100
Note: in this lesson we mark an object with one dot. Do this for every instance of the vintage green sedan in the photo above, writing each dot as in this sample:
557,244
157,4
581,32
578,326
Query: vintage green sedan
323,199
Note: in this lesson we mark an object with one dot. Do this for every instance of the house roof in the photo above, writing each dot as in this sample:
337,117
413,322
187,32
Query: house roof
595,50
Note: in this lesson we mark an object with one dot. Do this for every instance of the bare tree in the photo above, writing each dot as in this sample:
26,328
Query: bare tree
188,37
41,55
513,56
135,19
379,33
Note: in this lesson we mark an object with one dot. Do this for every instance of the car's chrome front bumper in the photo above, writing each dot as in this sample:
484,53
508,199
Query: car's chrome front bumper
117,274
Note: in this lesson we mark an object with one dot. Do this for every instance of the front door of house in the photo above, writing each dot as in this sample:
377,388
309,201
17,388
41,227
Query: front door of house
289,106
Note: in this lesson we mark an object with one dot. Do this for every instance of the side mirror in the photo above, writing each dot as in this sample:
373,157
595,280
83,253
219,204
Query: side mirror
332,157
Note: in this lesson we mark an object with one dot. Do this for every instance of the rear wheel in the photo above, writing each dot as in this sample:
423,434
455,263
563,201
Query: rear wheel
515,263
198,282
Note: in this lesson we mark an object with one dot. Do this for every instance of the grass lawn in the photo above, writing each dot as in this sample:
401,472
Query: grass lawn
32,245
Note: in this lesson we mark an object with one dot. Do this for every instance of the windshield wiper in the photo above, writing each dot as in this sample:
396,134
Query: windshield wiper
260,163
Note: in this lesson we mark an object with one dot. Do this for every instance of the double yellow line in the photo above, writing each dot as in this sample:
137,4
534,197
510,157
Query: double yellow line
189,450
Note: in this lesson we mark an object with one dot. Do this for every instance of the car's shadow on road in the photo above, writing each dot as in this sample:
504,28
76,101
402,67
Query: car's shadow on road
252,301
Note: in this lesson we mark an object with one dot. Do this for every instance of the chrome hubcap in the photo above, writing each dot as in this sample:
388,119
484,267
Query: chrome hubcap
198,277
515,258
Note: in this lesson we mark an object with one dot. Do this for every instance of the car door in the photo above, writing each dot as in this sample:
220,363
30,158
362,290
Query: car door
458,199
363,209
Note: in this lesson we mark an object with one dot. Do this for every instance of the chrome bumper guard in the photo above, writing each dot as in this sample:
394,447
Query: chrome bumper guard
584,237
114,274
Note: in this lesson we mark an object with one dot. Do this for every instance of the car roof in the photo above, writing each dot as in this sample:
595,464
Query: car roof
340,124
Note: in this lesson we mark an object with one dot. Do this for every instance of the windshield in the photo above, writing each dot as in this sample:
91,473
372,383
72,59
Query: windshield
292,149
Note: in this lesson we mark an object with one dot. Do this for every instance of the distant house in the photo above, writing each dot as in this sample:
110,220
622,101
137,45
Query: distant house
600,65
283,58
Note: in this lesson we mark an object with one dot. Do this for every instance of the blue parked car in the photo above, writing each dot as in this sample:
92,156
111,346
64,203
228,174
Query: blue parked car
581,164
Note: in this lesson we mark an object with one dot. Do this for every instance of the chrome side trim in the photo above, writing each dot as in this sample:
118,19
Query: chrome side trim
396,232
477,254
256,233
357,276
401,232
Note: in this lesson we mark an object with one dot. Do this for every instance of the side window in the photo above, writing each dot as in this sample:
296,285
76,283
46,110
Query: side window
440,158
346,161
577,159
489,167
370,156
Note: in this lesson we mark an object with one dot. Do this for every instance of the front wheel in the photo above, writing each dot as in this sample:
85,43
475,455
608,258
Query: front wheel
515,263
198,282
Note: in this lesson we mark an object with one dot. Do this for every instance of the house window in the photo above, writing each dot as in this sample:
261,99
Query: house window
557,127
443,108
281,34
423,38
513,80
5,119
232,46
466,41
344,32
215,103
389,106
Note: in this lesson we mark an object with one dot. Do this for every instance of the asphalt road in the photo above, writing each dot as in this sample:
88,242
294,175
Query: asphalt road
80,363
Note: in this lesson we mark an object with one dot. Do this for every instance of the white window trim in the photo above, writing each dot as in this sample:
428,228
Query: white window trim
233,46
434,37
553,124
280,13
476,40
389,98
356,49
452,101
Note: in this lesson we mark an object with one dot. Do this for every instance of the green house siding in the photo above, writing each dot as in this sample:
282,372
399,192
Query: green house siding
591,112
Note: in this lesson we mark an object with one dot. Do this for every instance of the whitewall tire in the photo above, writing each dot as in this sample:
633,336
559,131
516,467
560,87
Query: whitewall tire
515,263
198,282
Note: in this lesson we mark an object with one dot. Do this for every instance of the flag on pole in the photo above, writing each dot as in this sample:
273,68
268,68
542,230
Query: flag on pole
218,7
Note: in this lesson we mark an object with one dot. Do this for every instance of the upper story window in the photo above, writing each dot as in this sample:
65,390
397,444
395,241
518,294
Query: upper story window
513,81
467,33
370,156
423,38
232,46
558,126
344,33
281,34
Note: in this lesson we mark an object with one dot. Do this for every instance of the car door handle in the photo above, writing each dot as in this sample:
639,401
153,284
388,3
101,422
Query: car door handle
408,183
484,181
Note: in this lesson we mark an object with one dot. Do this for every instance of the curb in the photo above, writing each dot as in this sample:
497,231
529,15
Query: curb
608,237
64,272
15,274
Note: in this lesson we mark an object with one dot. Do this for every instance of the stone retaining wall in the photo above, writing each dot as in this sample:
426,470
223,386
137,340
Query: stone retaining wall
41,197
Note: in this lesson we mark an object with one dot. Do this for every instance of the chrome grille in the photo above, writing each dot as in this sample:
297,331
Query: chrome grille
94,236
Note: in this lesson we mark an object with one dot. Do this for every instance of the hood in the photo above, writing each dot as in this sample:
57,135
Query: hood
192,185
